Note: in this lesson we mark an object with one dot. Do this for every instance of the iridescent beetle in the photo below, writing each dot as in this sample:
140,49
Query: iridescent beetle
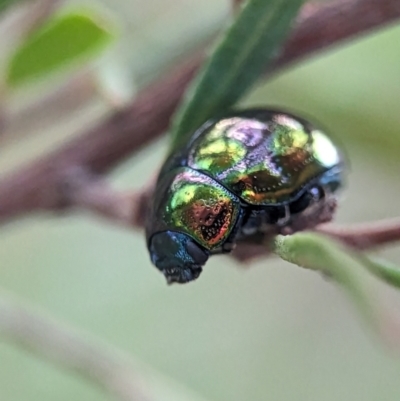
251,172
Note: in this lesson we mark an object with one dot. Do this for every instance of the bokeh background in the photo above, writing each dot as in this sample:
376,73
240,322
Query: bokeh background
269,331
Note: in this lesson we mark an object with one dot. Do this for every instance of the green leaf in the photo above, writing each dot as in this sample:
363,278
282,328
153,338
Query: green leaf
236,63
316,252
385,270
62,41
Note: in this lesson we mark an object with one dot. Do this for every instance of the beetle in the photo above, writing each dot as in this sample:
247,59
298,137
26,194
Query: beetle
249,172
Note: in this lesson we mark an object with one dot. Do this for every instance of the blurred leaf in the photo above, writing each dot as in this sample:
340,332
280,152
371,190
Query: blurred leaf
237,61
60,42
316,252
385,270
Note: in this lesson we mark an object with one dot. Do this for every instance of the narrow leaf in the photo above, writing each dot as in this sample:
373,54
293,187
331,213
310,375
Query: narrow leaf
316,252
238,60
385,270
62,41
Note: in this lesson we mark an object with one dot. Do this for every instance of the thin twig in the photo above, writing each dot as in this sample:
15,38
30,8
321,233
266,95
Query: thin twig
47,338
93,193
41,184
325,26
365,235
128,209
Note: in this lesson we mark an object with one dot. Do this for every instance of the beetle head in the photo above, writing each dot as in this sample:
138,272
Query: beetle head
178,256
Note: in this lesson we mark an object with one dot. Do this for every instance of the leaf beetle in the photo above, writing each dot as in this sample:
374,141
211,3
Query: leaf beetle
253,171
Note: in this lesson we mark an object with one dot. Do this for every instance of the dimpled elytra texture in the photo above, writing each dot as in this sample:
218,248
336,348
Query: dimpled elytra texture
198,206
264,162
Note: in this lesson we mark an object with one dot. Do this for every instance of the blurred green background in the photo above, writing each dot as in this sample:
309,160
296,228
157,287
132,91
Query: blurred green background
269,331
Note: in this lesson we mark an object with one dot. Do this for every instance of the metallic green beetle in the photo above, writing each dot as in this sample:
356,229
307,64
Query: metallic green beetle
248,173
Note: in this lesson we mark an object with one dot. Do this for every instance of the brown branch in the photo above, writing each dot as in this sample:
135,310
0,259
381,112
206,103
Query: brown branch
128,209
365,235
321,27
42,184
361,236
93,193
47,338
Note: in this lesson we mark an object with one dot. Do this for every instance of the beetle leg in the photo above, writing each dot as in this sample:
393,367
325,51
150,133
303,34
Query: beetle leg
285,219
